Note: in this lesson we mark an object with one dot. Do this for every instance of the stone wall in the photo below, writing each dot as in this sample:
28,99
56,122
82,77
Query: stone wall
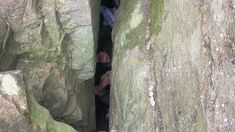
53,43
173,66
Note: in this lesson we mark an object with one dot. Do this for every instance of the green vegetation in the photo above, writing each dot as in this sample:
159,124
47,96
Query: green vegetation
156,15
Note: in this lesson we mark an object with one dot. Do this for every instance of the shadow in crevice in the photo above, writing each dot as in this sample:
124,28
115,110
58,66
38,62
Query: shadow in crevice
103,66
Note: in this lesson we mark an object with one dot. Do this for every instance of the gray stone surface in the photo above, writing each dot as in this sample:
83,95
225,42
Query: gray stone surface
173,66
53,43
19,110
13,103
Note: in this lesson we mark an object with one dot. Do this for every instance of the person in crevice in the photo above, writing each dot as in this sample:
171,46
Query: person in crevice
102,81
103,72
108,10
102,89
103,57
103,65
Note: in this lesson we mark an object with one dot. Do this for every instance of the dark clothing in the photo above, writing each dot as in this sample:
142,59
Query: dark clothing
105,41
100,70
105,97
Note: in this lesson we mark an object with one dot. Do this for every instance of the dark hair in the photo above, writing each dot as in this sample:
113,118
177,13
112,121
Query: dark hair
107,46
108,3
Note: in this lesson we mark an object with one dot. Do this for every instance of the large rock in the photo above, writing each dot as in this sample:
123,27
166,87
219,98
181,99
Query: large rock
173,66
19,109
13,103
53,43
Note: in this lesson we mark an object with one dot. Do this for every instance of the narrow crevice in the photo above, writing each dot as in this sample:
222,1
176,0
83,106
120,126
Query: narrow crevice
108,10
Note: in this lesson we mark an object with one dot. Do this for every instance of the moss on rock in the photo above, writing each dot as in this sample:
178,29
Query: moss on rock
42,118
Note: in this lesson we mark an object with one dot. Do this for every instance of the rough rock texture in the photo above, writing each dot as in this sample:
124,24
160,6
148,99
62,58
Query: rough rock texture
173,66
53,43
19,110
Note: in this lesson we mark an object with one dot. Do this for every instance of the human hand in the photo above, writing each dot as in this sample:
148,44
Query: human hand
105,80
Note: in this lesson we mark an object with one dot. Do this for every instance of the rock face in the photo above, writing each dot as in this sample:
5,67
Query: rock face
19,109
53,43
13,103
173,66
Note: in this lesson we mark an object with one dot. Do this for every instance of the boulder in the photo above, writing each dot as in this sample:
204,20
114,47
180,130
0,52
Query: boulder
53,43
13,103
19,109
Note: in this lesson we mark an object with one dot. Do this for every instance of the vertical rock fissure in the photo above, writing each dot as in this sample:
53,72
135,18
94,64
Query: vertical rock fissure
154,21
173,65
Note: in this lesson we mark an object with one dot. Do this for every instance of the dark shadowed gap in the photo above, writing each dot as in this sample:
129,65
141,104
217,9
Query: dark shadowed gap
103,65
